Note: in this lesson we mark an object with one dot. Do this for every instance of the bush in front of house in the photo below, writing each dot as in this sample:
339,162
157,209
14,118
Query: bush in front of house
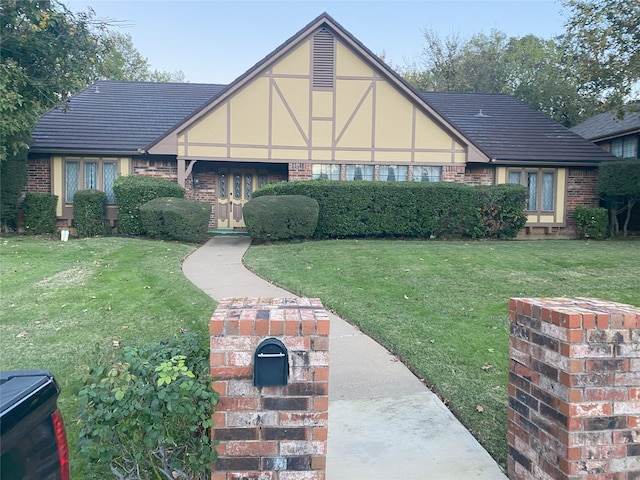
281,217
89,212
132,192
171,218
408,209
40,212
591,222
145,410
502,211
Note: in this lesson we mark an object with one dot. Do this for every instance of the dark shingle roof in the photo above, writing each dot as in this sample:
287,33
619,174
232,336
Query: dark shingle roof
507,130
121,117
607,125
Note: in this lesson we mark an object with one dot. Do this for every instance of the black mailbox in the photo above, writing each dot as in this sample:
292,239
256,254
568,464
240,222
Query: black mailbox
270,363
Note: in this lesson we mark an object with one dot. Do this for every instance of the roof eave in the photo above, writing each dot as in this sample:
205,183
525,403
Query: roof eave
71,151
552,163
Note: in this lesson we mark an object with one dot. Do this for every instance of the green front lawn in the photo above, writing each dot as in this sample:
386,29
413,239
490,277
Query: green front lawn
442,307
60,301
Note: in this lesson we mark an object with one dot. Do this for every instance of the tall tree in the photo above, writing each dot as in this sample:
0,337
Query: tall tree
46,52
602,42
529,68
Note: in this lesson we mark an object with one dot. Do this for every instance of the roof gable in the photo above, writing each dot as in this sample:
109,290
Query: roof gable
323,21
118,117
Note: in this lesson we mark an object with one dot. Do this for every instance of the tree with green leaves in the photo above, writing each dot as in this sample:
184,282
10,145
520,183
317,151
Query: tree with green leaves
619,185
529,68
602,43
46,52
122,61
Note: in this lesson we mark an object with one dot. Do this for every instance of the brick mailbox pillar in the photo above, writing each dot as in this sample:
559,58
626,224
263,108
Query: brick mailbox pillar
270,432
574,390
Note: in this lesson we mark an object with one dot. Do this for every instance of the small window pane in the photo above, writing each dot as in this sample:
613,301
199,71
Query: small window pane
547,192
427,174
109,172
223,185
90,175
237,185
330,172
359,172
514,177
72,170
532,186
394,173
248,186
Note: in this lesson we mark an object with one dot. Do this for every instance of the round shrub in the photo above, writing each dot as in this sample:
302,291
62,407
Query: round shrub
89,212
281,217
178,219
132,191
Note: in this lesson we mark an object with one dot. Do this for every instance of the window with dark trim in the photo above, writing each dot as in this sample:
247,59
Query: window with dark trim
427,174
359,172
327,171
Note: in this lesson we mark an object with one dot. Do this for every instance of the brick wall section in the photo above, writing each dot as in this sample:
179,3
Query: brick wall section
574,390
300,171
39,175
270,433
165,169
581,190
453,173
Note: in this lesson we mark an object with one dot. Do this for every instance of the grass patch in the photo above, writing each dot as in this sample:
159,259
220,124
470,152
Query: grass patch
442,307
61,302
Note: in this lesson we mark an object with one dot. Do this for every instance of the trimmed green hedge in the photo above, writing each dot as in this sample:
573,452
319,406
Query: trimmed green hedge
407,209
89,212
173,218
40,212
281,217
133,191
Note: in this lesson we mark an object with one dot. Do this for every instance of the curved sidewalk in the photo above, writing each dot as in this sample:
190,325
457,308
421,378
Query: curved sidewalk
383,422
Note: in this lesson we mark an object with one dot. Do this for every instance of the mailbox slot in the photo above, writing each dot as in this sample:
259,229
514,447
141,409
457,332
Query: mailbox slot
271,363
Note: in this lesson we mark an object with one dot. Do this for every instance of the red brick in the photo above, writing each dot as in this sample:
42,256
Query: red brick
308,327
571,320
262,327
246,326
219,419
220,387
588,321
276,327
236,404
251,448
602,321
292,327
216,327
323,326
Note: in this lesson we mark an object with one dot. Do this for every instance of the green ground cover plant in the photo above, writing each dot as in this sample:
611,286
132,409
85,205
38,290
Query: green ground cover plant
63,301
442,307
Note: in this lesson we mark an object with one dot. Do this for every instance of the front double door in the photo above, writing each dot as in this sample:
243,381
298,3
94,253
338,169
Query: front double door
234,190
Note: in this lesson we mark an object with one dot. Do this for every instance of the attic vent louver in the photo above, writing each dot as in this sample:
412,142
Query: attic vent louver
323,59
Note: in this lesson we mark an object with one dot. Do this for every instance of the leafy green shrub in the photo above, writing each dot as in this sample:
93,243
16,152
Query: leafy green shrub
133,191
281,217
145,411
407,209
89,212
591,222
173,218
502,211
40,212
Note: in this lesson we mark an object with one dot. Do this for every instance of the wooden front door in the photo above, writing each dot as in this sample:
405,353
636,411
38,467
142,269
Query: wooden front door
234,190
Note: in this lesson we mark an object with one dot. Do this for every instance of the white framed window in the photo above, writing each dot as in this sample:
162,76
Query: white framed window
423,173
359,172
541,185
327,171
394,173
83,174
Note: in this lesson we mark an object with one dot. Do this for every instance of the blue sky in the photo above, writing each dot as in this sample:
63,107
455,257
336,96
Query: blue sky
216,41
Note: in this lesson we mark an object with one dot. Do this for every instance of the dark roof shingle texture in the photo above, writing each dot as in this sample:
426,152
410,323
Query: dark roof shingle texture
113,116
607,125
507,130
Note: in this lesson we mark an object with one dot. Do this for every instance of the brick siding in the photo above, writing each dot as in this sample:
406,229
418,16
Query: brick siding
39,175
581,190
270,432
574,390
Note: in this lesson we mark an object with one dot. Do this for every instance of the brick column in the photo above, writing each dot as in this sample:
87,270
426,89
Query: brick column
274,432
574,390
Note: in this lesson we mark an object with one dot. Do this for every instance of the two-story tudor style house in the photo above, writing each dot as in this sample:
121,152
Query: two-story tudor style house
319,106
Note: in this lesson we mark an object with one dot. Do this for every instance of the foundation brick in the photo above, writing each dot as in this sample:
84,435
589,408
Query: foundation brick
574,390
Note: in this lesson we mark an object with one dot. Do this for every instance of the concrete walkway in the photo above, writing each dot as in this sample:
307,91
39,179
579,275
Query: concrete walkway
383,422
